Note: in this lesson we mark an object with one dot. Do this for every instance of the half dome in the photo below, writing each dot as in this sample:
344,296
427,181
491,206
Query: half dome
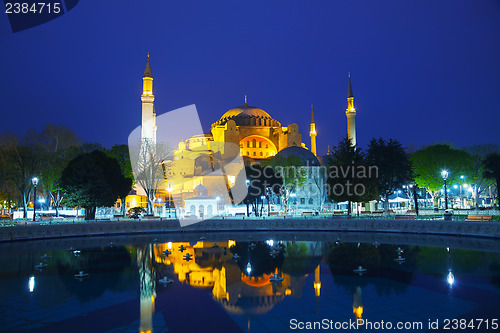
308,158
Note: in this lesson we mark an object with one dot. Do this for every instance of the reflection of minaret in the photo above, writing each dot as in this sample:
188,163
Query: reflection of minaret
357,306
317,286
147,288
313,133
148,108
317,282
351,115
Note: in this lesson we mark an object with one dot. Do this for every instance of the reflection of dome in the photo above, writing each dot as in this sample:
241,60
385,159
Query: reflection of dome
248,116
308,158
252,305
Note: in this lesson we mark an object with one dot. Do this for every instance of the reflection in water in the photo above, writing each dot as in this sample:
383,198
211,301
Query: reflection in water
147,286
237,277
239,274
357,305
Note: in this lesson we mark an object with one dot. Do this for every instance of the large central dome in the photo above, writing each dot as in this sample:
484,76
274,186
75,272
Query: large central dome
246,115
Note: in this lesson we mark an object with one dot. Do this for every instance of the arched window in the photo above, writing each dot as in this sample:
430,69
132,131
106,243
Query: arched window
254,154
311,201
260,153
192,210
248,153
209,210
267,145
201,210
248,144
254,143
260,144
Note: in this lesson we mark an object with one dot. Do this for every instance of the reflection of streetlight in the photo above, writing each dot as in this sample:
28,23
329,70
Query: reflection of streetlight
34,181
450,278
218,200
249,268
444,174
31,283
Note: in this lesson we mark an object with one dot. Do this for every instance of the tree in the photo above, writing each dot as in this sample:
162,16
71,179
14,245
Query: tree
492,171
261,182
349,177
394,167
21,161
93,180
53,138
292,173
151,164
122,155
475,176
428,163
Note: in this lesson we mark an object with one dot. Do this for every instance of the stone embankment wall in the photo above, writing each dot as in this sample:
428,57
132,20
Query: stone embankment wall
102,228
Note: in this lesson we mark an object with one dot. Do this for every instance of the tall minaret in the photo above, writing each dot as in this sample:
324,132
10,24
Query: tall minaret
350,112
148,107
313,133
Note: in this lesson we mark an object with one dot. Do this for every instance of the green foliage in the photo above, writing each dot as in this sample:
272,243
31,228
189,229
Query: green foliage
122,155
292,173
93,180
431,160
349,176
492,170
394,167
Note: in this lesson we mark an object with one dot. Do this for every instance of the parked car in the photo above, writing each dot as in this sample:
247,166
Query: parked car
136,212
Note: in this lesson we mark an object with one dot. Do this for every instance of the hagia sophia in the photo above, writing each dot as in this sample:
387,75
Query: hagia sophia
249,129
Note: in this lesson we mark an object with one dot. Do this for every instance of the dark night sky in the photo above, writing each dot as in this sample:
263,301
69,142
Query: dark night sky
422,71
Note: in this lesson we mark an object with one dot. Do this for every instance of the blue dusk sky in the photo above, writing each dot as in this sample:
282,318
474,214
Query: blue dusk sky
422,71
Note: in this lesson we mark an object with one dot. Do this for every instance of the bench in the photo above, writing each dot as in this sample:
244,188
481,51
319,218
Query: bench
309,213
365,212
479,217
405,217
273,213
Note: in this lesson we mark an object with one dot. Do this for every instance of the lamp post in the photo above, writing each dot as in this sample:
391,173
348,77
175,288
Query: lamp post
34,181
169,190
159,206
268,193
247,182
444,174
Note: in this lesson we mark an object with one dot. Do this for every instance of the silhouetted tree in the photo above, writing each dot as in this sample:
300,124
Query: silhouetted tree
394,167
350,178
92,180
492,171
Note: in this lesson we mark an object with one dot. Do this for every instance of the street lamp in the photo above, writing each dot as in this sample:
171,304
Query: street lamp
247,182
169,190
34,181
268,193
444,174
